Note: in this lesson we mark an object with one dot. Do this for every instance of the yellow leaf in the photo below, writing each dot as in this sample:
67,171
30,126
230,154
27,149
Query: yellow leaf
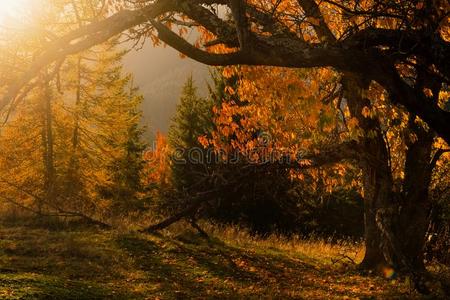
229,90
314,21
365,112
352,123
227,72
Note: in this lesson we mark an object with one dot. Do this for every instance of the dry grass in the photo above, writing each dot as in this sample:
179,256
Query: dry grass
315,247
178,264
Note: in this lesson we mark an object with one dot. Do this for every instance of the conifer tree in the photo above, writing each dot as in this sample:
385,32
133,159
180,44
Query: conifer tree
125,186
189,161
80,131
231,194
193,118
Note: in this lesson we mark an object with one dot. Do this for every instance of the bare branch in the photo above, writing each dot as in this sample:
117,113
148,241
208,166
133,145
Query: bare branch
84,38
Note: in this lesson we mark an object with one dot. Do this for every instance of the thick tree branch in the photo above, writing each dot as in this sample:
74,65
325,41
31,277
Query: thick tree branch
84,38
360,53
207,19
415,102
268,51
238,8
312,10
331,154
180,44
403,43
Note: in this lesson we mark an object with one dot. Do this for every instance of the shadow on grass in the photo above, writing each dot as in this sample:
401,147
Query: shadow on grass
40,264
38,286
189,267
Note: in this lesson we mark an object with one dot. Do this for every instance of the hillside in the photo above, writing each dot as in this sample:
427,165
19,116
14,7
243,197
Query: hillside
90,264
160,74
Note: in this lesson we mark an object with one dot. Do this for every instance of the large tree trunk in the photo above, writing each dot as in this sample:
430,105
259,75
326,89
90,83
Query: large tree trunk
414,198
395,221
377,177
377,192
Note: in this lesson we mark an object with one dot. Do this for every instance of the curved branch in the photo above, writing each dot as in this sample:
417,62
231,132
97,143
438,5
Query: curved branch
180,44
84,38
436,157
359,54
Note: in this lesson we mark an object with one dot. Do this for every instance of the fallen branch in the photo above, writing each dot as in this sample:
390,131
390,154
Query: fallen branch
59,211
343,257
184,214
199,229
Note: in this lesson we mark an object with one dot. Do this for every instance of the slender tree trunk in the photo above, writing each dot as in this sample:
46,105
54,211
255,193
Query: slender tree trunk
48,145
73,162
72,169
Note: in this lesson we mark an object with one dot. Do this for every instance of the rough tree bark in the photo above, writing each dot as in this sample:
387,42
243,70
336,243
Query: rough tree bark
395,220
374,162
414,198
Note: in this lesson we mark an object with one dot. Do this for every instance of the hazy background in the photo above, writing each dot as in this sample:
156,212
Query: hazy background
160,74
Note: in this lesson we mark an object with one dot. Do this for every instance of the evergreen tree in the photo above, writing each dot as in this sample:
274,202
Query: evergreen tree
125,187
79,131
190,161
193,118
255,197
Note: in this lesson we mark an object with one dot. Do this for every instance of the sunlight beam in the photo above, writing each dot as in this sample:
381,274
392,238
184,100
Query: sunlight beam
10,9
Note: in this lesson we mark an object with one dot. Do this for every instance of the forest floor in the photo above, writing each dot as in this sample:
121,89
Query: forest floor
93,264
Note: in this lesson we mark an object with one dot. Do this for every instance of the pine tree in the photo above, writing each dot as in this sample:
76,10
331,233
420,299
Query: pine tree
193,118
234,192
125,187
106,137
80,132
189,161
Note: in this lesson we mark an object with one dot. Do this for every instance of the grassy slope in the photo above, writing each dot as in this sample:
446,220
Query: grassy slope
88,264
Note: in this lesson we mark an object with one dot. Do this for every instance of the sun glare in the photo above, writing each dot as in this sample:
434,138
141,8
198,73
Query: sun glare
10,8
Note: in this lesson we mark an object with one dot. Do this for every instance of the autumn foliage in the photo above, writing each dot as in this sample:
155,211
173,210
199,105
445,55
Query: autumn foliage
325,118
